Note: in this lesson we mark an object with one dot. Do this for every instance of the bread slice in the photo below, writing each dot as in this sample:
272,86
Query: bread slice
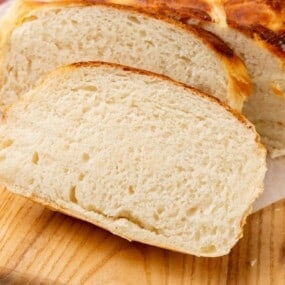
135,153
255,30
38,37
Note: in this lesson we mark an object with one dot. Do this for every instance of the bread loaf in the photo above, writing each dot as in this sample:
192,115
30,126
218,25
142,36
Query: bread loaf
135,153
37,37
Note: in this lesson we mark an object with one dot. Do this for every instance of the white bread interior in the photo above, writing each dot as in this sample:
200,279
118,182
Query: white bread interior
135,153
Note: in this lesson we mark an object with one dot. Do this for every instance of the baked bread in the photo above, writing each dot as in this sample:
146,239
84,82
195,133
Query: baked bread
255,30
135,153
38,37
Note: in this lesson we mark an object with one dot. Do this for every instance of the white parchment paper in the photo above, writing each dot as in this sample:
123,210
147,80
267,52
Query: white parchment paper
275,177
274,184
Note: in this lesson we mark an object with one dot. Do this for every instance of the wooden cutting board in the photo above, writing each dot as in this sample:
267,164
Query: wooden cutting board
38,246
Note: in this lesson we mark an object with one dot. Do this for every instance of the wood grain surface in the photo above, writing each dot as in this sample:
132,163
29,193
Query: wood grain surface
39,246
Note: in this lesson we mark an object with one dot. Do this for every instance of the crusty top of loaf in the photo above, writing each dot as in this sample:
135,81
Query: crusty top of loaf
258,19
263,18
239,79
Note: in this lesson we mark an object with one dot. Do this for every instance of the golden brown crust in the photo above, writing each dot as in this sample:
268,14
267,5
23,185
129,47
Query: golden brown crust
265,19
269,14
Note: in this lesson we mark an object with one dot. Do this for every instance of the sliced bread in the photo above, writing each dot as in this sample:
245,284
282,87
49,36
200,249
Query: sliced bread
135,153
255,30
37,37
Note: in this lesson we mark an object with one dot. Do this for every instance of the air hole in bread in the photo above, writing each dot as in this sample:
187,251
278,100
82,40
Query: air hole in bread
81,176
160,210
180,169
35,158
185,59
74,22
89,88
184,126
197,236
129,216
134,19
72,194
6,143
150,43
85,156
142,33
131,190
130,45
85,110
166,135
134,104
31,181
191,211
67,147
130,149
214,231
110,101
156,217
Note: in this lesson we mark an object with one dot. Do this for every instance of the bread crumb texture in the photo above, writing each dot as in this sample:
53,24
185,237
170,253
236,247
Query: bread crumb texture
136,154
